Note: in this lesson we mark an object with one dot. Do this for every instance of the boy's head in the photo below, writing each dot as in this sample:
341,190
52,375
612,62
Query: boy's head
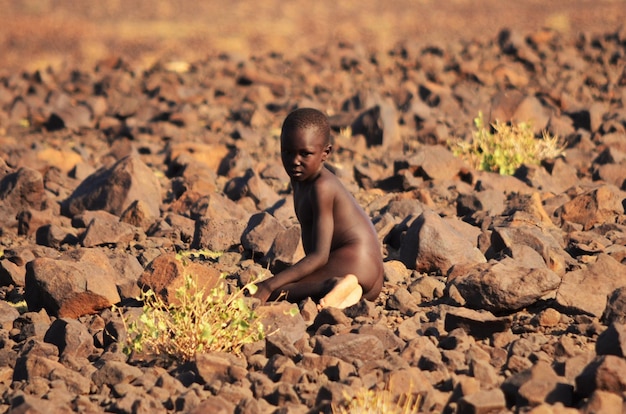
308,118
305,143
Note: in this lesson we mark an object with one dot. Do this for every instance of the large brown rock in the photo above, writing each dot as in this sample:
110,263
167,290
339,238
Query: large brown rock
505,286
19,190
166,274
114,189
604,373
601,205
587,289
77,283
432,245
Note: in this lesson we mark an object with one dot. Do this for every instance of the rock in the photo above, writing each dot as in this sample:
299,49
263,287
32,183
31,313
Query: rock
71,337
259,235
287,247
431,245
32,324
587,289
615,310
103,232
504,286
32,366
350,347
395,272
537,385
489,201
280,316
429,288
604,373
75,284
114,372
478,324
434,162
612,341
30,404
404,301
603,402
216,367
11,273
251,185
115,189
166,274
525,230
138,214
20,190
378,124
594,207
8,314
482,402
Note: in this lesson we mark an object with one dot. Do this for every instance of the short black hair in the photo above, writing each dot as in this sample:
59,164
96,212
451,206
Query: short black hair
304,118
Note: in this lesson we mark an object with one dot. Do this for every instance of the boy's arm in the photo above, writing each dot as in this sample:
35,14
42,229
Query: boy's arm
322,197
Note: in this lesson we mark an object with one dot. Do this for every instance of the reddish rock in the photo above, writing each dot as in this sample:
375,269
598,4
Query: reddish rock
166,274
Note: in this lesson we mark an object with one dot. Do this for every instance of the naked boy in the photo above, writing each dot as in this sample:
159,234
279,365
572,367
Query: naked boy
343,260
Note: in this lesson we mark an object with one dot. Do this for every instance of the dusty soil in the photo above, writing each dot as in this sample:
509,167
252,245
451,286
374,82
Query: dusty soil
122,110
38,33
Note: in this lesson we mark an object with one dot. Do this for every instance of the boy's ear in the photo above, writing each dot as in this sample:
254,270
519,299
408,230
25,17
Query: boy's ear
327,150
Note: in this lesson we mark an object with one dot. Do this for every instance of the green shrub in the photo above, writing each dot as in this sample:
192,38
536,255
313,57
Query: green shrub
506,148
197,322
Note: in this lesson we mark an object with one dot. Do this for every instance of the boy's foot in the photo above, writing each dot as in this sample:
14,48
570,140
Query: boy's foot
344,294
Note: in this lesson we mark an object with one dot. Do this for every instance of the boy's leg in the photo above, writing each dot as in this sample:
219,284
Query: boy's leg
345,293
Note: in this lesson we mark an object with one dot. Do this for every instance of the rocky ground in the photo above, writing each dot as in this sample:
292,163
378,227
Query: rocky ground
502,294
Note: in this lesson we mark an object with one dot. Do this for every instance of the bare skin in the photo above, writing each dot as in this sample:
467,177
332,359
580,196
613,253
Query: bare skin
338,237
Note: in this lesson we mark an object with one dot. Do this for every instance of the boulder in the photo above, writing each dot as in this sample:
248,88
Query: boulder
77,283
505,286
114,189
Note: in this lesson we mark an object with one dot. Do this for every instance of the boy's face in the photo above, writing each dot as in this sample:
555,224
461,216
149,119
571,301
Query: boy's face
303,152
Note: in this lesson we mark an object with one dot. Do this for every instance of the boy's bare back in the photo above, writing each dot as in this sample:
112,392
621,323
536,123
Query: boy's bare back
343,257
354,246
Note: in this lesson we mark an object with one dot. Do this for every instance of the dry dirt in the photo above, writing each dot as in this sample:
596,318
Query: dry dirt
38,33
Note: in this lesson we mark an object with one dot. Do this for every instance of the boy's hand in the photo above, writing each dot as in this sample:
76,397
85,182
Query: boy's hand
263,292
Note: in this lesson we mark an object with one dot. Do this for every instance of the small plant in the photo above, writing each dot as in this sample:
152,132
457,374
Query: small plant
197,322
367,401
507,148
